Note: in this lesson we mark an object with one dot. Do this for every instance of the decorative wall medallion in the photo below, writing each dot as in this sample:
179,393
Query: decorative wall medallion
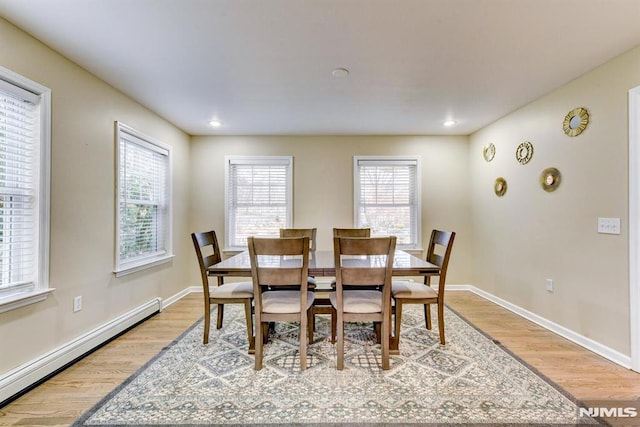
524,152
500,186
489,152
575,121
550,179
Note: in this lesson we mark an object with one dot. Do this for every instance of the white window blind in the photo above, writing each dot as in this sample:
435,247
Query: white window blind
259,200
24,189
387,197
143,200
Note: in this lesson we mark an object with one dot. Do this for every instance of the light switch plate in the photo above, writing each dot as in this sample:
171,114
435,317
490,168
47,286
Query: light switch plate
609,225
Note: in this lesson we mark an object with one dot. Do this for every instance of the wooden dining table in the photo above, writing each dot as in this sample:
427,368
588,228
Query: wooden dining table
322,264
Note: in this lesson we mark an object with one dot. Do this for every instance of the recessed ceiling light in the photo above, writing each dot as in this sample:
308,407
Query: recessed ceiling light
215,123
449,123
340,72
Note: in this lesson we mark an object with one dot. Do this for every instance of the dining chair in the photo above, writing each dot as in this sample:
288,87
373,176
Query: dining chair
208,252
283,263
407,292
363,263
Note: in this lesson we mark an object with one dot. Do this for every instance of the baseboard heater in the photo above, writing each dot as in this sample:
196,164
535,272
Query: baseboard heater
22,379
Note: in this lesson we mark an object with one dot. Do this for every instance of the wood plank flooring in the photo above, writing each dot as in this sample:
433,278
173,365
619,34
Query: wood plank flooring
63,398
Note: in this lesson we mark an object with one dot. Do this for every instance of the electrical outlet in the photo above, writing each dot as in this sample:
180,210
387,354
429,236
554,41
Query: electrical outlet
549,285
77,304
609,225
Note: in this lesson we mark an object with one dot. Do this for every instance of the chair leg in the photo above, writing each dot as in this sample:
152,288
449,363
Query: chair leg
207,322
310,324
334,322
386,332
258,343
249,318
220,316
266,328
340,349
398,322
441,321
427,315
376,329
304,318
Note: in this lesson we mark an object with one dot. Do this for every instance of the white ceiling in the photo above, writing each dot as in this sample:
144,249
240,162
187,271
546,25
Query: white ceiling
264,66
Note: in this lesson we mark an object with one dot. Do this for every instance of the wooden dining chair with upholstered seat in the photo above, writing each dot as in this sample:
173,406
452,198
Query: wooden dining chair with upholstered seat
208,252
406,292
282,263
362,264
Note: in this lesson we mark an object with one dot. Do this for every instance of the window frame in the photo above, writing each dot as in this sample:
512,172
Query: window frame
255,160
417,211
28,293
124,266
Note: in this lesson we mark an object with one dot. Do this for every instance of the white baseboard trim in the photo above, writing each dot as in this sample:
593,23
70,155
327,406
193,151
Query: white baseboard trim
19,379
177,297
594,346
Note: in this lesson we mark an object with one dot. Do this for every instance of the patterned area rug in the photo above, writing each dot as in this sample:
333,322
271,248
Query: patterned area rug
471,380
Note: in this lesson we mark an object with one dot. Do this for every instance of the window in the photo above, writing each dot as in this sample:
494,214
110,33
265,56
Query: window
25,141
144,202
259,198
387,197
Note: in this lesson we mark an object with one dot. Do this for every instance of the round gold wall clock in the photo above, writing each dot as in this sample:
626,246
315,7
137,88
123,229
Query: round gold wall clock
489,152
500,186
524,152
550,179
575,121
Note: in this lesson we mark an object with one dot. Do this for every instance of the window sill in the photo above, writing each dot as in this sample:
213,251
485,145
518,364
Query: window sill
20,300
134,268
412,251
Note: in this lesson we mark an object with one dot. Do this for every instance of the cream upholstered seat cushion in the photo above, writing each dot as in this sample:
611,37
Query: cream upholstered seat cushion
284,301
232,290
406,289
365,301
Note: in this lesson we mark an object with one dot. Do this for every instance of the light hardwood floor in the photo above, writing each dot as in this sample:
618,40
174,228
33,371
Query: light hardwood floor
63,398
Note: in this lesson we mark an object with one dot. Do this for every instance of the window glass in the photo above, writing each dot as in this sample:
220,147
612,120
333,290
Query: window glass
24,190
387,197
258,199
144,211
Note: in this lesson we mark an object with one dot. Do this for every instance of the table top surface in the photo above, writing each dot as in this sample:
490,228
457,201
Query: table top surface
321,263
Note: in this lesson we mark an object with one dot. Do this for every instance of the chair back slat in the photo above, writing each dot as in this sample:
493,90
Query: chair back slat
363,245
363,276
301,232
351,232
279,246
280,276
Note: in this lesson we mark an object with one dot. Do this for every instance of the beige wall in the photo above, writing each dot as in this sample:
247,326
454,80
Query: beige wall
530,235
82,207
323,183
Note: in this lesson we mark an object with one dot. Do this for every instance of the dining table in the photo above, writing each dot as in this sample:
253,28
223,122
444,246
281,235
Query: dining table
322,264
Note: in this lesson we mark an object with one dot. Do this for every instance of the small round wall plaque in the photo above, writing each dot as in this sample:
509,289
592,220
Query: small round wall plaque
550,179
500,186
489,152
575,121
524,152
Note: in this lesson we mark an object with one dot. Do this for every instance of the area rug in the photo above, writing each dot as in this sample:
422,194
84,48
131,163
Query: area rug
471,380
